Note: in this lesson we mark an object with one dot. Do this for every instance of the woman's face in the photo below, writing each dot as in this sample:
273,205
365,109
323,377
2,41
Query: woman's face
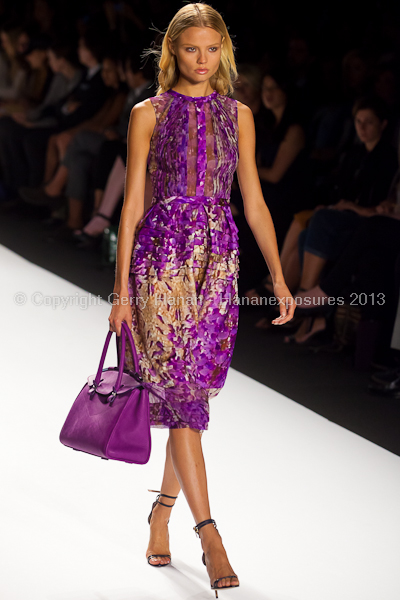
109,73
272,95
368,127
198,53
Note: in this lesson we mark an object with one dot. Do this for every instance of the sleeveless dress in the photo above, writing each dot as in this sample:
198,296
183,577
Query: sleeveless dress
183,275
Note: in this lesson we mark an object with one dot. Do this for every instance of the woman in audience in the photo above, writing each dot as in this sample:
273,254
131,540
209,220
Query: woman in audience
281,166
362,181
247,87
365,269
110,163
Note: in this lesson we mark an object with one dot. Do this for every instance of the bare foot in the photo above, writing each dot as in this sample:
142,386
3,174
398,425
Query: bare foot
217,562
159,537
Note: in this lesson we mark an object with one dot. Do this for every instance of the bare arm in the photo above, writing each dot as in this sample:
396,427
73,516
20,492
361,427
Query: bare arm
257,213
288,150
384,207
140,130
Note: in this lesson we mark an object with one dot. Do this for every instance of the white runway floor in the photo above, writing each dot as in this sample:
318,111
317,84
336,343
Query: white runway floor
307,510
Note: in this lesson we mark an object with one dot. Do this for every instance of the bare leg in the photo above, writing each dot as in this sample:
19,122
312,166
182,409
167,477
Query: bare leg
98,197
57,183
291,242
109,200
159,538
75,208
188,461
293,271
52,159
312,267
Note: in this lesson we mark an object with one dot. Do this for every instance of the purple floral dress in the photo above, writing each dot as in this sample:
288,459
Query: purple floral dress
185,261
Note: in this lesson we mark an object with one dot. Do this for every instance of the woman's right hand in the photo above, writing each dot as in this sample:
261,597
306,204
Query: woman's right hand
121,311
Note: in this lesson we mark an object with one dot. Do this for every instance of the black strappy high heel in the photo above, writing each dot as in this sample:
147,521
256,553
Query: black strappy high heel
214,586
157,501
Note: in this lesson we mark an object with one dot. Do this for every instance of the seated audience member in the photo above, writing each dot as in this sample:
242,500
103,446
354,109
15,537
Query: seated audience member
38,79
76,146
282,169
13,69
110,164
281,160
248,87
18,166
365,268
80,105
92,158
361,183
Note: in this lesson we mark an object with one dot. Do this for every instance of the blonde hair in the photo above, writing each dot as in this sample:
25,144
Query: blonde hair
195,15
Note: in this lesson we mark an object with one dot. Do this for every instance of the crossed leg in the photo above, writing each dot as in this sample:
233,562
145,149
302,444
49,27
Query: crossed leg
185,469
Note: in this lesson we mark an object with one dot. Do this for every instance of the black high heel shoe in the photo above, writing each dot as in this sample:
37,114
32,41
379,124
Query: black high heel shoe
157,501
86,240
214,585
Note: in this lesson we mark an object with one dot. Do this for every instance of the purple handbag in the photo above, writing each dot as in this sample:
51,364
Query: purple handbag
110,417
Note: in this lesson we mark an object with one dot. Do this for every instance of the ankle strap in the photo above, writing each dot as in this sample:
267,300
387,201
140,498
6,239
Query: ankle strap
200,525
166,495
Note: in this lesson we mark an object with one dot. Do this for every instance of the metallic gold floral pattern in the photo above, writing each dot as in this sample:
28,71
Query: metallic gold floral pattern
185,260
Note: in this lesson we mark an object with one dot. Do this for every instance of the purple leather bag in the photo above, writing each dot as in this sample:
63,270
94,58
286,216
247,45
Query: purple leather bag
110,417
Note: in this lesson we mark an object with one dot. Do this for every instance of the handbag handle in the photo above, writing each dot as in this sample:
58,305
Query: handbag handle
125,333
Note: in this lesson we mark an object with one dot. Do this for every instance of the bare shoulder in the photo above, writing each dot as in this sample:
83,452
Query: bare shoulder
143,110
143,116
245,117
244,112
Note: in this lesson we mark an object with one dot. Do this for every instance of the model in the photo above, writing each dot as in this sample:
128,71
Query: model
178,262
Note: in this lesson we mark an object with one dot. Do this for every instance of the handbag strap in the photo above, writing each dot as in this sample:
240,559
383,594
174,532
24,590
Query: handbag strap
125,333
132,343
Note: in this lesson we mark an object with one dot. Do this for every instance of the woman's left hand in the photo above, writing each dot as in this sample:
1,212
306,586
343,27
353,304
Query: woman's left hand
286,304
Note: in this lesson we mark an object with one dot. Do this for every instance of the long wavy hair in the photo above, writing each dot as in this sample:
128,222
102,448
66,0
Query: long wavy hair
194,15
